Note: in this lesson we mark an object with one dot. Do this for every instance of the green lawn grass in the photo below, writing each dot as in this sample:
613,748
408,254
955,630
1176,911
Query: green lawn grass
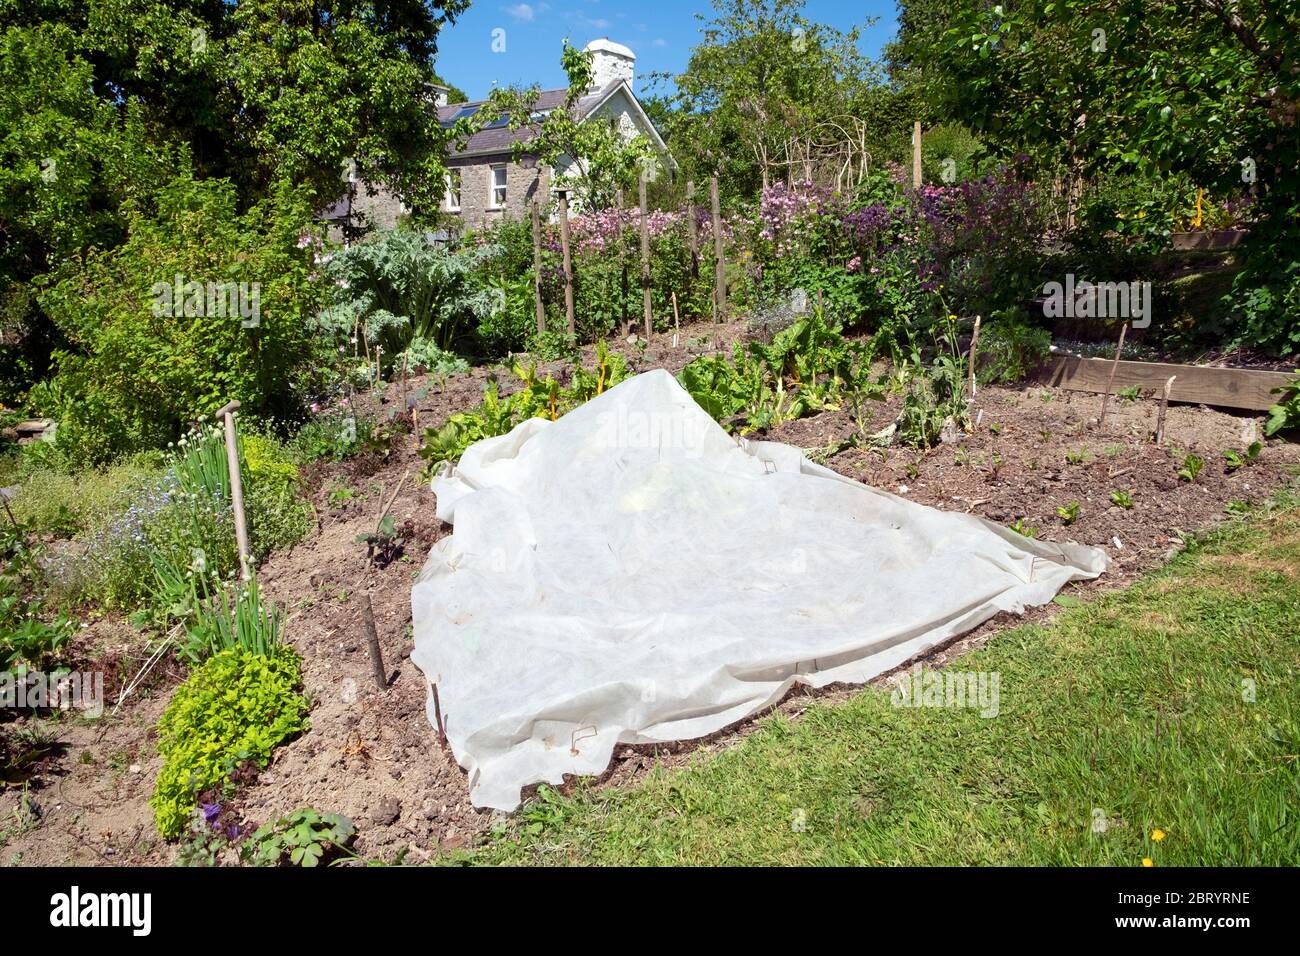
1134,709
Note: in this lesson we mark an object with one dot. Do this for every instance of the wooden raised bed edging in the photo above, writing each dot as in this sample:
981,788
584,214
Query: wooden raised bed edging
1207,239
1195,384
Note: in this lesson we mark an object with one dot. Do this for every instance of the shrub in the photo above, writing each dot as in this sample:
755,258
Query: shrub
400,285
1265,297
177,531
435,361
277,519
61,503
135,372
1285,415
28,635
235,707
333,434
1009,349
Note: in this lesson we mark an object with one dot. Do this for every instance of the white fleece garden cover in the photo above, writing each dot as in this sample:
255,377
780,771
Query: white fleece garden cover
631,573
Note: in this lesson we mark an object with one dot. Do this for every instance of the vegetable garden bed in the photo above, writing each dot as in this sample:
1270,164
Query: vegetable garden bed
1035,461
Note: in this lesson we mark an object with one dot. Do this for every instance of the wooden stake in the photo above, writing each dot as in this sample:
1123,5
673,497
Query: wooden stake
537,268
405,401
916,155
677,321
437,713
719,265
391,498
227,412
568,263
1164,407
974,341
692,229
1105,399
376,654
625,324
645,257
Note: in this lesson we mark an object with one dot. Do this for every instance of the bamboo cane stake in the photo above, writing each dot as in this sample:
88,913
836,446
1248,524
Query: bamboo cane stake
1164,407
1114,366
227,413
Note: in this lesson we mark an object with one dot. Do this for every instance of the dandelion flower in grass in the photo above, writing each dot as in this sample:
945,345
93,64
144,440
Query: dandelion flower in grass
1157,834
1147,861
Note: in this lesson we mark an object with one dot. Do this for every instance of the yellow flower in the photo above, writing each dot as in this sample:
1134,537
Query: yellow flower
1157,834
1146,861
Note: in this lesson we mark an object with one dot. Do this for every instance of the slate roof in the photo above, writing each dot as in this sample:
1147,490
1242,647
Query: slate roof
499,138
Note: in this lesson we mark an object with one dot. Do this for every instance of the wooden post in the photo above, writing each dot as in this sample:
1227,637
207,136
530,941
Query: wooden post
1164,407
372,635
692,229
625,324
537,268
1105,399
974,341
227,412
405,401
437,712
719,265
568,263
916,155
645,257
677,321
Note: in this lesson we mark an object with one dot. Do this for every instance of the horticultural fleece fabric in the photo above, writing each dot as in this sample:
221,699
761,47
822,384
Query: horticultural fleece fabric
632,574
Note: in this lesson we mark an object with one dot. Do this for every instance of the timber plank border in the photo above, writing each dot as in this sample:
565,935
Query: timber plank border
1195,384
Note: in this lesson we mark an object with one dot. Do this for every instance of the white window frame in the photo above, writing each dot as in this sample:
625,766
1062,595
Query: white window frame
454,184
493,202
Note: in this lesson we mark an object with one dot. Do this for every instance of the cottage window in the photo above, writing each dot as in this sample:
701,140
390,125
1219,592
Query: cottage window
497,184
453,190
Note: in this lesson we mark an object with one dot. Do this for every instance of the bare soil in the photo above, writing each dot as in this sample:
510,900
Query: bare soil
372,753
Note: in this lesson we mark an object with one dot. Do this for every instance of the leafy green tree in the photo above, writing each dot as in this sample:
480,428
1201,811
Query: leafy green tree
148,353
1209,89
103,103
764,90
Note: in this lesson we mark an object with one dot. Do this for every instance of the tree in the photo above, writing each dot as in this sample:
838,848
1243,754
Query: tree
104,103
1207,88
767,93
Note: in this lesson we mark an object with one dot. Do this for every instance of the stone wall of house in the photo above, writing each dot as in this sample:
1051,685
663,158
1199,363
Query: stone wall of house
524,181
381,211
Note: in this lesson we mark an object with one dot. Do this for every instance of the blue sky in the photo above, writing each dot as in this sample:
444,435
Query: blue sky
660,33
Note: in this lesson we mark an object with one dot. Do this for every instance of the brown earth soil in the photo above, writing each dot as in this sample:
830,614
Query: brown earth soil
372,754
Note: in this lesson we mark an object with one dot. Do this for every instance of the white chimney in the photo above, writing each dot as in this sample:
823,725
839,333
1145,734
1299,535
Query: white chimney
610,62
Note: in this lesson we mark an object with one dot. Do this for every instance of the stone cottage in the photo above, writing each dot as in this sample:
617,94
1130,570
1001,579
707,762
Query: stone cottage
485,181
